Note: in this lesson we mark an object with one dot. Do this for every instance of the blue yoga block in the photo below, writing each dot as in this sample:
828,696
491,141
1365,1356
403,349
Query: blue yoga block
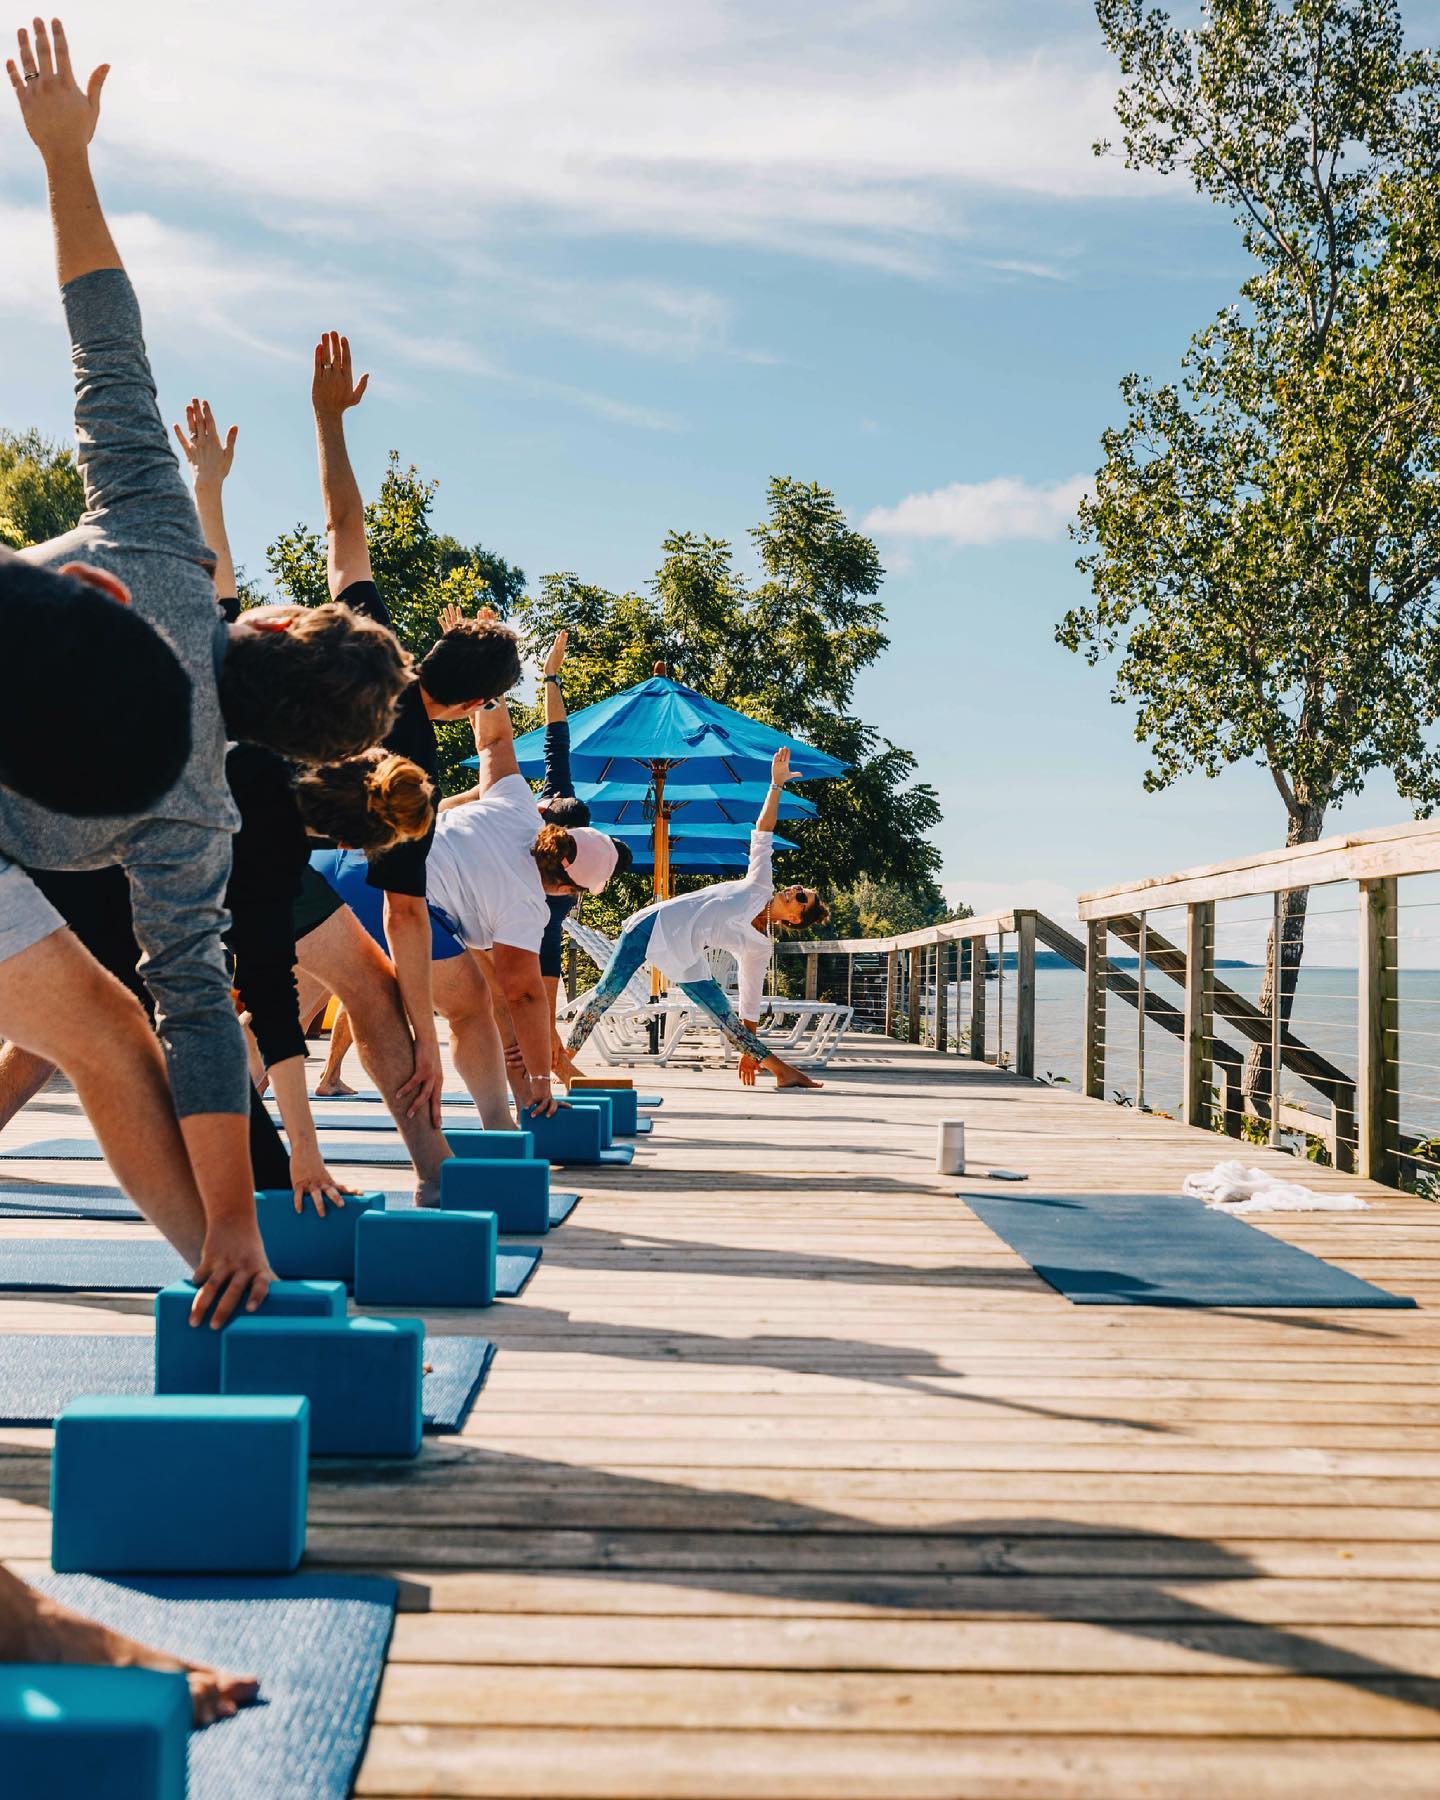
599,1103
180,1483
518,1193
304,1246
624,1106
491,1146
571,1135
361,1376
427,1257
187,1357
69,1731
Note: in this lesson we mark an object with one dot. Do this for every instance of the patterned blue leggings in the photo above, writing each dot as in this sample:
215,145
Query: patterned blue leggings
627,956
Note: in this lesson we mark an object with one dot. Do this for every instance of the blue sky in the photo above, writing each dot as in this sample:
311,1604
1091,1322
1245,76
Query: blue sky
613,263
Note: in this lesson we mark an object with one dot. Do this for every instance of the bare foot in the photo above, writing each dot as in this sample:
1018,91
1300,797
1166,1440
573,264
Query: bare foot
56,1634
796,1078
332,1090
427,1193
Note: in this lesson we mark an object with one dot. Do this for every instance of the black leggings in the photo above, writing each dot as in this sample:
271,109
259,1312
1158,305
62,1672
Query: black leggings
95,904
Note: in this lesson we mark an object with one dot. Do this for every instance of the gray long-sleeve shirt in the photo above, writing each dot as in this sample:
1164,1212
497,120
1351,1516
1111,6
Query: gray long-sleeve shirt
140,524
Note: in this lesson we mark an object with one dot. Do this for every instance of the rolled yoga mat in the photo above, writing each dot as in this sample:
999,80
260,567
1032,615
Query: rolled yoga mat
40,1376
120,1266
1164,1250
317,1643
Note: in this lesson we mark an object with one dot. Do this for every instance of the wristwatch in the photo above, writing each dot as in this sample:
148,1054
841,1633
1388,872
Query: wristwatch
554,678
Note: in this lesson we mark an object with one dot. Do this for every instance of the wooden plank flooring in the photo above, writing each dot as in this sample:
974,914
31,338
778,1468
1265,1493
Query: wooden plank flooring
791,1480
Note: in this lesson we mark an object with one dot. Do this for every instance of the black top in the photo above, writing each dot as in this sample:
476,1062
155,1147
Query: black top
270,852
401,869
558,781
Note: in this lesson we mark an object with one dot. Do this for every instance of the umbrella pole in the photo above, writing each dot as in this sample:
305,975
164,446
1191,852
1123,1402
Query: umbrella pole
660,883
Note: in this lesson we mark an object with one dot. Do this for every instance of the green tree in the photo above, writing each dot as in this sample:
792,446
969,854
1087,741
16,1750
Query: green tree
1264,532
420,571
41,490
870,908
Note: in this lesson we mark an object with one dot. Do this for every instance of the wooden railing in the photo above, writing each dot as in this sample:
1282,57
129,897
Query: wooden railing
1235,1052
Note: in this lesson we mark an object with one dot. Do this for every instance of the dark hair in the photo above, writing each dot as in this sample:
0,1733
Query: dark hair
552,849
70,649
323,689
816,912
623,857
368,802
478,660
564,809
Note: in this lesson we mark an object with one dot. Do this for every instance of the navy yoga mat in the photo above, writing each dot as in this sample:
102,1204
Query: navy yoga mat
1163,1250
317,1642
66,1200
379,1155
40,1376
119,1266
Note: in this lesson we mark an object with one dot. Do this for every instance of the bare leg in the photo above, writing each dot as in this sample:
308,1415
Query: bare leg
22,1075
341,1038
342,957
58,1002
34,1628
562,1062
462,997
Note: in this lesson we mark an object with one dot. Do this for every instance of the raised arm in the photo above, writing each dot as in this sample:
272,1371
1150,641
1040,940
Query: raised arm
494,746
210,456
333,391
779,775
61,119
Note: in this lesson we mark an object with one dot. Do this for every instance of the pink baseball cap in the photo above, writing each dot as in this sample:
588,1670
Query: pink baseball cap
594,860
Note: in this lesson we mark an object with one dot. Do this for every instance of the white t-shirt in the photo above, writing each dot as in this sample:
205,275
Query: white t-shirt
480,871
718,918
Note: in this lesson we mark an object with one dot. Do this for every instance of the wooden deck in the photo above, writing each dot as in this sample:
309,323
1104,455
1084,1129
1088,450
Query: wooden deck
792,1480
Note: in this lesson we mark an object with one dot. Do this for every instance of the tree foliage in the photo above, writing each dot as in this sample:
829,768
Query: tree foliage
42,494
419,571
870,908
1265,530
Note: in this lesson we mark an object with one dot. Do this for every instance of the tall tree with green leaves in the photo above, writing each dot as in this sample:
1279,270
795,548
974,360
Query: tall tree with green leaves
1263,538
41,491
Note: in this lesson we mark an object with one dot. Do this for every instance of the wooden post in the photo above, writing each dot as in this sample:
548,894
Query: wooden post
1376,1103
812,975
979,956
942,997
914,990
1199,1012
892,990
1093,1040
1025,993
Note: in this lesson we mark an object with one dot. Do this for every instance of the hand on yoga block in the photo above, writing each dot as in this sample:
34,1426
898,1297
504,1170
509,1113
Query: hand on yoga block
180,1484
362,1378
602,1104
73,1730
491,1146
624,1106
517,1193
429,1258
187,1357
305,1246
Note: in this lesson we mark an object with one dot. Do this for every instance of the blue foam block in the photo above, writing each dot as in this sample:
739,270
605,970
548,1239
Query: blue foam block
362,1378
69,1731
187,1357
304,1246
518,1193
426,1257
490,1146
601,1104
624,1107
185,1483
571,1135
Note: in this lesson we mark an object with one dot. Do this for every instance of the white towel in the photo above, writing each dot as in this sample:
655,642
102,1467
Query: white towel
1232,1187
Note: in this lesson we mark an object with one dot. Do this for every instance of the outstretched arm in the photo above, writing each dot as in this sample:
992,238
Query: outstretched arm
779,775
333,391
61,119
494,746
210,456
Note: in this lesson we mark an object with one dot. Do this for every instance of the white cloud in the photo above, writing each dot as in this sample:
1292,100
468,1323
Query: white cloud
982,512
856,135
